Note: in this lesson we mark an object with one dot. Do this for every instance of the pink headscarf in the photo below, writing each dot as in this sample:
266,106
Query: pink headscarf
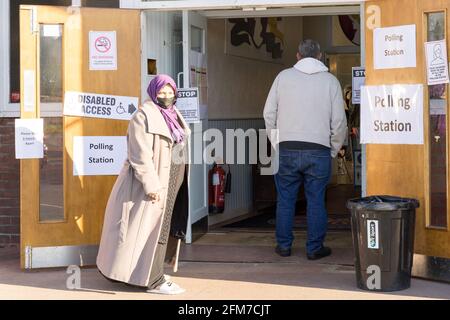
169,113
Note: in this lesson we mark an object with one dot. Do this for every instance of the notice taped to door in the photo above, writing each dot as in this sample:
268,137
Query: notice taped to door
188,104
98,156
92,105
437,65
392,114
394,47
29,90
102,50
358,80
29,138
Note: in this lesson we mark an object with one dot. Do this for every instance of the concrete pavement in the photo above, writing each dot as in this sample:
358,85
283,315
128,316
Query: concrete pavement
241,267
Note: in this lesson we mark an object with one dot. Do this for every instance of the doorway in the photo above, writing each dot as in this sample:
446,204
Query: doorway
238,83
239,80
232,99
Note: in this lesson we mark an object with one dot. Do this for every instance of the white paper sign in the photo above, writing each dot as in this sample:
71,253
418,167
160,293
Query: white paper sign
437,65
94,105
98,156
188,104
29,138
52,30
395,47
29,90
102,50
358,80
438,106
392,114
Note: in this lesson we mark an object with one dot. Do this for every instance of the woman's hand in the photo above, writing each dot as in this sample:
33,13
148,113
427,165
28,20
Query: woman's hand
154,196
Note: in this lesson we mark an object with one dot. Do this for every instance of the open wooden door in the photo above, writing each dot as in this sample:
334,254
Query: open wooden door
417,171
195,75
62,214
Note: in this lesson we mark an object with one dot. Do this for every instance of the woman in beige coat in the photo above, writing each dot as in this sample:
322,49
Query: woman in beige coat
140,213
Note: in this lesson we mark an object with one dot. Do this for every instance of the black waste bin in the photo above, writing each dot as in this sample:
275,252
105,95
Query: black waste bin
383,240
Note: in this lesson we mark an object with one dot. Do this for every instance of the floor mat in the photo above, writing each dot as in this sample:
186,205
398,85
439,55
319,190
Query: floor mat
257,254
338,214
236,246
267,221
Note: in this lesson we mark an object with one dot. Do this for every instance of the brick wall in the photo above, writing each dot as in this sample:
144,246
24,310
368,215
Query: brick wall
9,186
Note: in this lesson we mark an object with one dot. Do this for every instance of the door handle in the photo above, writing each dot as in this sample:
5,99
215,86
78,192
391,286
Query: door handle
179,79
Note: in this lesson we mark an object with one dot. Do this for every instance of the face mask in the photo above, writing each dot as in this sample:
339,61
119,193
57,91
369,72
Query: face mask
166,102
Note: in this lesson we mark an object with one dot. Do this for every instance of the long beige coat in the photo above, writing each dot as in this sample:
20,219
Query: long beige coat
133,223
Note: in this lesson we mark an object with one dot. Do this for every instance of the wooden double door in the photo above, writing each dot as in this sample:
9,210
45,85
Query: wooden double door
417,171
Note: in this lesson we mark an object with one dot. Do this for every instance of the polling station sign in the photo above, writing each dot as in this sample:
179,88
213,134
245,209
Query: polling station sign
99,156
395,47
392,114
93,105
188,104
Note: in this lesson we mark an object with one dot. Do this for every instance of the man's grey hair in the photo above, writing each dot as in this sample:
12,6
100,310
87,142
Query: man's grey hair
309,49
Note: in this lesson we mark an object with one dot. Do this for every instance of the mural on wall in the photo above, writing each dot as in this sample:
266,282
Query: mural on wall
346,30
255,38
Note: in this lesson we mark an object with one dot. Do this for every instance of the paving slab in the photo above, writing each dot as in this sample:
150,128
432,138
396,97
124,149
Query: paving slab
234,267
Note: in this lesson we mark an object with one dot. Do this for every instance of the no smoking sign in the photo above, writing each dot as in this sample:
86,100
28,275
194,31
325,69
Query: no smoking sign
102,50
103,44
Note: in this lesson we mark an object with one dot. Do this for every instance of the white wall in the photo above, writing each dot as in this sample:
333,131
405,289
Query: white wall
237,92
252,79
319,28
238,87
163,43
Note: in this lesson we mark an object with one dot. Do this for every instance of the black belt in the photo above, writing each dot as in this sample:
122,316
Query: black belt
302,145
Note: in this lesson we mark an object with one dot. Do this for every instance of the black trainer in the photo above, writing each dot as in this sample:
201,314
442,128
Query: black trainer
321,253
283,252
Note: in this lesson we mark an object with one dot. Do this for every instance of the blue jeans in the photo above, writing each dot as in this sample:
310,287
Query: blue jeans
313,169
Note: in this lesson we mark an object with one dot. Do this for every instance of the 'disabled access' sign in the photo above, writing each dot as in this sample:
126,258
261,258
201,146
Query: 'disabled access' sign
93,105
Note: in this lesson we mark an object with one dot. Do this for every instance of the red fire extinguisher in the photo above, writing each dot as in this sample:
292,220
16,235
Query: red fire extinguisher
218,186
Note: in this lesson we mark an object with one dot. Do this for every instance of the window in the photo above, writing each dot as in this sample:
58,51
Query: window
437,135
14,42
10,59
51,166
51,47
197,39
